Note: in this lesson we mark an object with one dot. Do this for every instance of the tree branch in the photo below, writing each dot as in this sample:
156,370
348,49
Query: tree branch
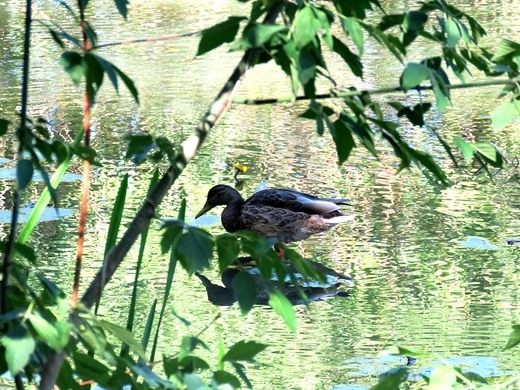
141,221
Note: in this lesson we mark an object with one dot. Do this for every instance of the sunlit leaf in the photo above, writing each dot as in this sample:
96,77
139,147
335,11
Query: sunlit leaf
128,82
245,291
452,32
46,331
514,337
413,75
257,34
489,152
465,147
223,32
19,346
353,28
283,307
244,351
505,50
305,26
442,377
503,115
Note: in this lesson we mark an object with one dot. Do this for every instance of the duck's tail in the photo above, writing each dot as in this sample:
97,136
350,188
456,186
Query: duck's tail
340,219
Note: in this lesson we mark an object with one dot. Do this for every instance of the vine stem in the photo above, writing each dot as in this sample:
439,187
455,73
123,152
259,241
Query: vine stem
86,174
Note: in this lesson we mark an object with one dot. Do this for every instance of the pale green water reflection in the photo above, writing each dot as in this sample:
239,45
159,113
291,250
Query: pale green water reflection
416,285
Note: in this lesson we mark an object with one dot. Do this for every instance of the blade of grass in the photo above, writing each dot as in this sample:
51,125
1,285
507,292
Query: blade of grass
45,197
115,221
144,236
169,280
148,326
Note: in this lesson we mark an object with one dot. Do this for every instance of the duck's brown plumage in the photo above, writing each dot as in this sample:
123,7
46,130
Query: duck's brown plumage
275,213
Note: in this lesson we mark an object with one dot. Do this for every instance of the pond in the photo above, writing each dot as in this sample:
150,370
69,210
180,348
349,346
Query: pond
432,269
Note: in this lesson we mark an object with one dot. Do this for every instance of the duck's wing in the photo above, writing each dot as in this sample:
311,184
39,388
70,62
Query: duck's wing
295,201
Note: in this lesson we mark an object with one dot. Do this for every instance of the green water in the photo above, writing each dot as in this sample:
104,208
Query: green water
416,285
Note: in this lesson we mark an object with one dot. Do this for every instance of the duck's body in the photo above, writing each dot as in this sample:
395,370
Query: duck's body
276,213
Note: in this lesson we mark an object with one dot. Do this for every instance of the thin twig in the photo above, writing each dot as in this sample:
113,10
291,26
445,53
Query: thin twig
141,40
343,94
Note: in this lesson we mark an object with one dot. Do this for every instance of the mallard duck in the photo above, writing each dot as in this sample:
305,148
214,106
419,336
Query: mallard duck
286,215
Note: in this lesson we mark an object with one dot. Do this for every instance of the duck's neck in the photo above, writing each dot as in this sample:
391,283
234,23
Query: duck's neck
231,215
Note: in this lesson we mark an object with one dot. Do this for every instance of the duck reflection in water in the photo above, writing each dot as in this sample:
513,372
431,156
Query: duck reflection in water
225,295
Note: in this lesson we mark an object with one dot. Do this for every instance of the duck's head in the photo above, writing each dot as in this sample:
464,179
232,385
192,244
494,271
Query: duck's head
219,195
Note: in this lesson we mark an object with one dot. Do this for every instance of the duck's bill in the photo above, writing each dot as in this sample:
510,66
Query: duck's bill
204,210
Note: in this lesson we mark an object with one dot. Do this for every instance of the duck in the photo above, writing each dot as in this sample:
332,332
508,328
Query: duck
283,214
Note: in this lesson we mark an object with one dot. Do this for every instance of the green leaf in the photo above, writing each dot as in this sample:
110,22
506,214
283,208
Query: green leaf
353,28
413,75
283,307
465,147
223,32
243,351
351,59
122,7
257,34
245,291
228,249
344,141
443,377
88,368
128,82
391,379
428,162
223,377
26,252
514,337
490,153
19,345
73,65
24,173
506,50
125,336
305,26
194,250
503,115
56,38
117,215
46,331
452,31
